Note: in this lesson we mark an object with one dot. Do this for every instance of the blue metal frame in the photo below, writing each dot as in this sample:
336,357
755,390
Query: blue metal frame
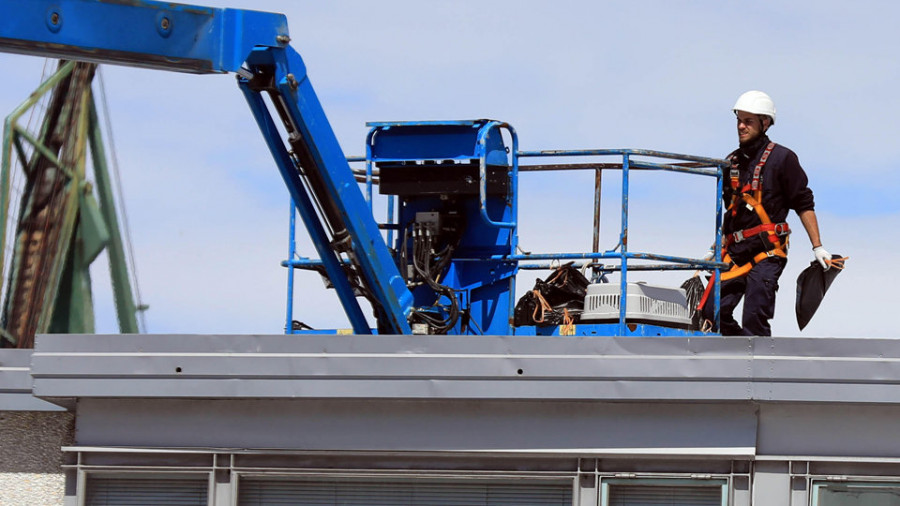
292,251
197,39
483,177
307,119
623,244
710,168
460,141
464,141
160,35
677,263
307,210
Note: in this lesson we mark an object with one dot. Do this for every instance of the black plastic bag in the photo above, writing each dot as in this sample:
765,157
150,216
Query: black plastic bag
693,290
554,299
812,284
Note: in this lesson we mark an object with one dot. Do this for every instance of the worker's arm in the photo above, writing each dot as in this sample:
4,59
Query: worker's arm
811,224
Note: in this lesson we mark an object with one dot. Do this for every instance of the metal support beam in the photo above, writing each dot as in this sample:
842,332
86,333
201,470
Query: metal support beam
344,224
197,39
139,33
118,266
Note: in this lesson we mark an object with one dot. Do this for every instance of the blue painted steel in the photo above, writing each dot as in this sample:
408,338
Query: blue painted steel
330,259
606,329
610,267
484,155
368,160
390,219
203,40
625,258
636,164
369,184
717,288
308,121
694,262
434,140
292,251
383,125
623,242
609,152
485,288
139,33
514,197
306,263
624,255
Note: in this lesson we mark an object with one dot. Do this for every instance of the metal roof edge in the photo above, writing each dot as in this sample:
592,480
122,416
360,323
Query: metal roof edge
16,383
614,369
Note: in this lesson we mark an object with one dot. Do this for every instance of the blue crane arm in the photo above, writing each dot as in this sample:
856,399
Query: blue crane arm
160,35
194,39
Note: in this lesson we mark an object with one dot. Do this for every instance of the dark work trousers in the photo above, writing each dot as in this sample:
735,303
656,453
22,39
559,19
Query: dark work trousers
758,291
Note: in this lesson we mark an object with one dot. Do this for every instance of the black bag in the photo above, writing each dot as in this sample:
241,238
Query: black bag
812,284
551,299
693,290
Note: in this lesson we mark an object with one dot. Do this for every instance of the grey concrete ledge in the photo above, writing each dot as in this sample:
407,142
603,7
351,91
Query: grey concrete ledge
490,367
15,383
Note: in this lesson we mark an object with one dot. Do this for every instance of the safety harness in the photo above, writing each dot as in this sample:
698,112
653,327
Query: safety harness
750,195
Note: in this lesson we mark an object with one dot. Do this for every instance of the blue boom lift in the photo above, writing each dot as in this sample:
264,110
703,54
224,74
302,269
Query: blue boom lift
450,258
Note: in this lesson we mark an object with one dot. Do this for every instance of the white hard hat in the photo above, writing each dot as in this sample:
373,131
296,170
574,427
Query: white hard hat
756,102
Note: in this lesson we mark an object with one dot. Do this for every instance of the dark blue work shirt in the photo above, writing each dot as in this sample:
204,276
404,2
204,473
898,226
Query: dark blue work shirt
784,185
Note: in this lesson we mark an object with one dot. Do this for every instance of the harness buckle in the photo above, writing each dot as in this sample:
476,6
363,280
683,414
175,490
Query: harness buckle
738,236
735,174
782,229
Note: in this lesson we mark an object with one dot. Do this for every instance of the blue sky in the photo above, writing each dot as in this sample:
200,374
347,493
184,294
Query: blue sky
209,213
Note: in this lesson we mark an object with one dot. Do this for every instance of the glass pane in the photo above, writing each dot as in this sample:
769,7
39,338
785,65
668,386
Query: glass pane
269,492
663,495
858,495
146,492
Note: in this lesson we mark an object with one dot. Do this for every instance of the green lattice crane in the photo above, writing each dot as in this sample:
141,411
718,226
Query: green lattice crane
56,225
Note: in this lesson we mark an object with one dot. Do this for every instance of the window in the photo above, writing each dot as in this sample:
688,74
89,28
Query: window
664,492
150,491
856,494
276,492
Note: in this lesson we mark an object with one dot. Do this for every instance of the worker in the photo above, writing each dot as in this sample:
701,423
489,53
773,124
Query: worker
764,183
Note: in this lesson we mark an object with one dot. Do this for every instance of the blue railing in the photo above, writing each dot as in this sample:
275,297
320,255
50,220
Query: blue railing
631,159
687,164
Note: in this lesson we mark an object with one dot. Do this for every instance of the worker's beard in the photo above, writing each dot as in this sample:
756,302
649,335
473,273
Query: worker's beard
751,141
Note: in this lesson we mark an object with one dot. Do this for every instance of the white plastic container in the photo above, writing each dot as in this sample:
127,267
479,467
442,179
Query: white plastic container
644,304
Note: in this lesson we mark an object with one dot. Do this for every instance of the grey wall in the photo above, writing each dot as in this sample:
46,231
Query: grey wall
31,456
417,425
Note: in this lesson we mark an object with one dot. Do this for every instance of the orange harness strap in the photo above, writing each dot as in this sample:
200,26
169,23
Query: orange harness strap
737,271
751,194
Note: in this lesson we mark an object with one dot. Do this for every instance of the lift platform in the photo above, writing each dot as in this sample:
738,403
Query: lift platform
452,266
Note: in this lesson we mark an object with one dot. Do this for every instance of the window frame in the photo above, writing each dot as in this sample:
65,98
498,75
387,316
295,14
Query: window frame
462,477
818,484
85,475
722,482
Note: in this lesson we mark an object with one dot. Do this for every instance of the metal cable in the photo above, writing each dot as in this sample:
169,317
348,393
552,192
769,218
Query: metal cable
117,184
16,185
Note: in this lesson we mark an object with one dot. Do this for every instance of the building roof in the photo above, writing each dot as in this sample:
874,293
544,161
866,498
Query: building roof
621,369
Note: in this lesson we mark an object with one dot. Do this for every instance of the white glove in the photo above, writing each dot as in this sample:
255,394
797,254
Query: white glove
823,257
